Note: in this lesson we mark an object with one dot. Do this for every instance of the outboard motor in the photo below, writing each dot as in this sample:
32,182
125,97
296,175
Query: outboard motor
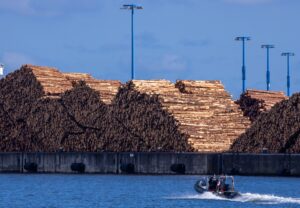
30,167
178,168
78,167
127,168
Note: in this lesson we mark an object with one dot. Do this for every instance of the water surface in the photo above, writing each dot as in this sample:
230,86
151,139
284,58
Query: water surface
56,191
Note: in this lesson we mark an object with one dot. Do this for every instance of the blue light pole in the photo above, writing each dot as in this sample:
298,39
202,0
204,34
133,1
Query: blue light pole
132,7
268,64
288,54
243,39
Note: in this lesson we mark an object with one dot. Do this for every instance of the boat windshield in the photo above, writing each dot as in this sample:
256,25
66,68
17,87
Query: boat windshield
229,183
225,183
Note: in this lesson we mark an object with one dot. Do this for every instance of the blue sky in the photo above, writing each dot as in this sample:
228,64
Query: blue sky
175,39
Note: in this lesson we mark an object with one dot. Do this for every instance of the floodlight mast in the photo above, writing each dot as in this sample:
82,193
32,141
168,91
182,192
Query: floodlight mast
288,54
132,7
243,39
268,46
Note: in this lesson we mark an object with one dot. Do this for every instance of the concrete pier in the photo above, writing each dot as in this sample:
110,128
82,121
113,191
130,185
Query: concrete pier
152,163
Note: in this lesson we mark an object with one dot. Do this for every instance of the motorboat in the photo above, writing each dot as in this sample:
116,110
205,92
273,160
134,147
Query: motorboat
222,186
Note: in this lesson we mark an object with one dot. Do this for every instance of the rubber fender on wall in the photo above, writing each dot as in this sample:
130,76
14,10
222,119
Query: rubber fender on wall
178,168
31,167
127,168
78,167
285,172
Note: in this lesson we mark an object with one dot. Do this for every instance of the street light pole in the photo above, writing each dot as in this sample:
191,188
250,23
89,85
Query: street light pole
288,54
132,7
268,64
132,45
243,39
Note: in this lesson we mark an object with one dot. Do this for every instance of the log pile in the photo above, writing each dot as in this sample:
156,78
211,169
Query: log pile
77,121
212,118
36,114
18,93
202,111
42,109
255,102
277,131
218,120
139,107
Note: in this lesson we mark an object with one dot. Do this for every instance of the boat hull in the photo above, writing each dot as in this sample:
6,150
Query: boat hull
227,194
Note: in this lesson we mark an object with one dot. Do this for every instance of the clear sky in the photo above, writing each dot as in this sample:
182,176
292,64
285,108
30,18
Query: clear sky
175,39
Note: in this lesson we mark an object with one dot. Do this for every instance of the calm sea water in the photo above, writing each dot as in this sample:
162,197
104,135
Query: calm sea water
55,191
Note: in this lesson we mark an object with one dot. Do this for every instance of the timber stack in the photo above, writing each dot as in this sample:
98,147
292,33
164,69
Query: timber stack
19,92
255,102
42,109
202,111
275,131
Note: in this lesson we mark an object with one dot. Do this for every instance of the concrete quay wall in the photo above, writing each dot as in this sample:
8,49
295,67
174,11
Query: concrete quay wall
152,163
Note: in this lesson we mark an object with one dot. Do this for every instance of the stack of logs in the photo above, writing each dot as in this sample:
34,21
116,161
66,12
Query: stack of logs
255,102
203,111
212,117
275,131
42,109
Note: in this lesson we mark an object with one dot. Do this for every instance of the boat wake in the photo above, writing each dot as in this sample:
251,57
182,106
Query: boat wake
245,197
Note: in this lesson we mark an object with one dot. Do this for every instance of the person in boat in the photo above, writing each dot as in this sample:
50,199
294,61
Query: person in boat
222,186
212,183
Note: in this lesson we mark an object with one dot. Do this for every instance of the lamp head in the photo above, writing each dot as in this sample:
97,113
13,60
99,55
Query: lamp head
131,6
243,38
267,46
287,54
